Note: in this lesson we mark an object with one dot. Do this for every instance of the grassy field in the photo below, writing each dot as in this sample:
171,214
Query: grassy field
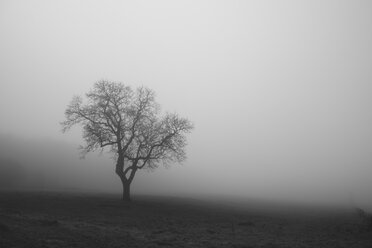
40,219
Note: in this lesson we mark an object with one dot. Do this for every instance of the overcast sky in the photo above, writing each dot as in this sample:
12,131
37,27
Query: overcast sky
279,91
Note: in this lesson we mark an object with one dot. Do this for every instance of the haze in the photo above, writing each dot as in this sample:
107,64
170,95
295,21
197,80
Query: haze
279,92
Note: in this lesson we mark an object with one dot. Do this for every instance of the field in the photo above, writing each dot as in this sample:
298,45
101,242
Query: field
42,219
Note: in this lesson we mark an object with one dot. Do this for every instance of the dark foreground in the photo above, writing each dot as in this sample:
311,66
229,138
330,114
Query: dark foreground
72,220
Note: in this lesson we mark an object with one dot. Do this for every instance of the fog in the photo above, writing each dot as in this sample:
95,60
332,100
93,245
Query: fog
279,93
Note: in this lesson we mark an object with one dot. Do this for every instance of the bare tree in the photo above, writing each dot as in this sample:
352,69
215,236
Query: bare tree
129,124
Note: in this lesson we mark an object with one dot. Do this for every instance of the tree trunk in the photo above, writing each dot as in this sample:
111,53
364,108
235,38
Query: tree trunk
126,191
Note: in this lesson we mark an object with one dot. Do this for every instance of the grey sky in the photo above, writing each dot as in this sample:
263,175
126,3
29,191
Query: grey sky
279,91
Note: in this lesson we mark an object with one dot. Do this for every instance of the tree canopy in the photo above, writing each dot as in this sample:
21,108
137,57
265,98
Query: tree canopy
130,124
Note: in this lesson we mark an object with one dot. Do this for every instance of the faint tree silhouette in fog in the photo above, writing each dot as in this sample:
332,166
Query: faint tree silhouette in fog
129,123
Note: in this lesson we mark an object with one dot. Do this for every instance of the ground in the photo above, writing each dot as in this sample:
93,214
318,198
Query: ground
50,219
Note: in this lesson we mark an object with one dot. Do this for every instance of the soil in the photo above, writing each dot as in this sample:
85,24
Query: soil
50,219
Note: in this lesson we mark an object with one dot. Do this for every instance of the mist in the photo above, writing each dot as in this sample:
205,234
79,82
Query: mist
279,93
